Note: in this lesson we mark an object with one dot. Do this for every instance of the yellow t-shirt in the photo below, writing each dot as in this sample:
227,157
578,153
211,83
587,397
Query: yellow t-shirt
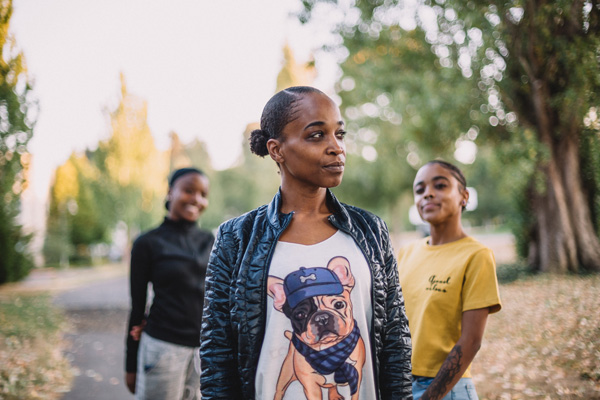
439,283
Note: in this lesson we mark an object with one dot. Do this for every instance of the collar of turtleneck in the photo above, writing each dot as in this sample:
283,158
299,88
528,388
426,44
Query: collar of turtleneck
182,224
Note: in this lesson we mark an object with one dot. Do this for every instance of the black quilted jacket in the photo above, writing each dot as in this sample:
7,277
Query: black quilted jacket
233,324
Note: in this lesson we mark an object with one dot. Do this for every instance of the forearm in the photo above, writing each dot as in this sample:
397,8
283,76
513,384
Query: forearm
451,371
461,355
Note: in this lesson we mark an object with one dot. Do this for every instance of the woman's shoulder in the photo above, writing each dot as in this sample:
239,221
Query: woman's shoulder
357,213
241,222
203,234
472,249
148,236
474,245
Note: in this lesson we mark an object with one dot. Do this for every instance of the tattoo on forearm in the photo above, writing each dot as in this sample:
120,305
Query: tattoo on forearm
446,374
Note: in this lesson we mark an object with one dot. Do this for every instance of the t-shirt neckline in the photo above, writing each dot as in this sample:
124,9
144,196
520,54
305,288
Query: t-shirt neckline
310,245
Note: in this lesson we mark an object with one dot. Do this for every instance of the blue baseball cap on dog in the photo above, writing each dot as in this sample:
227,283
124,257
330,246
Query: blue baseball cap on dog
309,282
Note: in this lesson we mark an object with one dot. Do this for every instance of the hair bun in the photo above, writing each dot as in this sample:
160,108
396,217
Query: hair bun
258,142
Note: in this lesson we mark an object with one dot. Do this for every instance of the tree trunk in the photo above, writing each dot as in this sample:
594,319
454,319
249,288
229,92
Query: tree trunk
588,245
556,250
564,239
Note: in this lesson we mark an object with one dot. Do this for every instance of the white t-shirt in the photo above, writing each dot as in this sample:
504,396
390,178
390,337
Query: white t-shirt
318,320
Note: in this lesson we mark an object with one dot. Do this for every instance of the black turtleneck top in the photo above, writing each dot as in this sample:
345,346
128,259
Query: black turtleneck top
173,257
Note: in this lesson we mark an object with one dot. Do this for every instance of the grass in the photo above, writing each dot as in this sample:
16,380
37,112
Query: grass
31,361
508,273
545,342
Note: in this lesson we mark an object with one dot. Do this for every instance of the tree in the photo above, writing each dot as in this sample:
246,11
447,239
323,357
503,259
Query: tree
123,181
80,212
293,73
16,129
178,157
553,49
194,153
63,192
135,167
522,75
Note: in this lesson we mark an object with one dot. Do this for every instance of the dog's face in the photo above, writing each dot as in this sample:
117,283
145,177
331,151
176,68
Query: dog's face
322,319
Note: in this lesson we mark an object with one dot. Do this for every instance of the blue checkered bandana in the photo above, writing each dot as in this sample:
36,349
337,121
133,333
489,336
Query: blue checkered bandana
333,359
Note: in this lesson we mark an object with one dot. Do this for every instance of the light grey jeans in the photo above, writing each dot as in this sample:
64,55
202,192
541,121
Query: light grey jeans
167,371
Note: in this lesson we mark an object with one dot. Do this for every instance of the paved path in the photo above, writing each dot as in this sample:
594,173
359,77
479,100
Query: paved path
97,312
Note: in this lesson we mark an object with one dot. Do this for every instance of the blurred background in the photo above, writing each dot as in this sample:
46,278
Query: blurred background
99,101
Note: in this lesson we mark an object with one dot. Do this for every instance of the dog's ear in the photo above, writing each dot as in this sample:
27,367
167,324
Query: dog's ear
341,267
275,290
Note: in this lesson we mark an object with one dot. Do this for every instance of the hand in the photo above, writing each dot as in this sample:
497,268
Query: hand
130,378
136,331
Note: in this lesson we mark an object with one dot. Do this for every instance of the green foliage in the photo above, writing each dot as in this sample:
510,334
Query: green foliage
81,212
508,273
15,262
197,155
590,153
57,248
16,129
495,191
25,316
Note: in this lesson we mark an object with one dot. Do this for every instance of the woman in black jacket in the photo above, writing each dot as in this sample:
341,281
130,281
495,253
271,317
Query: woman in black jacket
302,295
173,258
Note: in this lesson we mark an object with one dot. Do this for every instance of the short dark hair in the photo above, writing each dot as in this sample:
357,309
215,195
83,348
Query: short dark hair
183,171
178,174
278,112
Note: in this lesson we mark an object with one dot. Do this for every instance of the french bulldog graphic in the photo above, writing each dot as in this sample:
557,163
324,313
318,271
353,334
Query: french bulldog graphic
326,349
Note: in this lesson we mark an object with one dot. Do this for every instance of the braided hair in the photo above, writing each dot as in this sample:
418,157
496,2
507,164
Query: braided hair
279,111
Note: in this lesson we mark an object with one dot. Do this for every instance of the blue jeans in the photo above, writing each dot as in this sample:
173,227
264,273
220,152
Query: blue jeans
167,371
463,390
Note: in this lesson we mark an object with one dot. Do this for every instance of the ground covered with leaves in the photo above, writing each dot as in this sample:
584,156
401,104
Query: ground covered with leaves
32,365
545,343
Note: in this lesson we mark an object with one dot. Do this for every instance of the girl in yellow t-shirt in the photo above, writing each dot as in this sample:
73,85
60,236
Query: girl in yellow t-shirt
450,287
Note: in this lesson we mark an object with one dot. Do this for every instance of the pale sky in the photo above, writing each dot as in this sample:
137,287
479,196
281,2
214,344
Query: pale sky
206,69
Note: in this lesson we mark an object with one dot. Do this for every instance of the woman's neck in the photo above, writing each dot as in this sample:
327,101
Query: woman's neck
307,202
310,223
446,233
180,223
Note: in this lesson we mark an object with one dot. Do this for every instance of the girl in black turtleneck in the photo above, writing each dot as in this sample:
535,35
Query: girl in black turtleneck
162,360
